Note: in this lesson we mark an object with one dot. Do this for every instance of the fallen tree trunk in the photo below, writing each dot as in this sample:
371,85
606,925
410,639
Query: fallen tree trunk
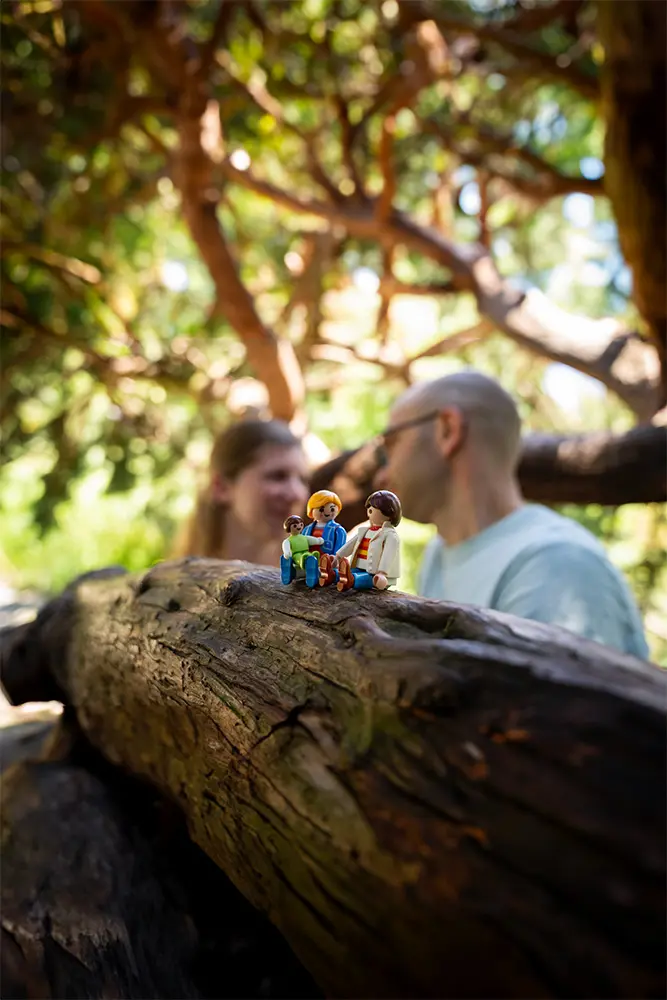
426,800
104,895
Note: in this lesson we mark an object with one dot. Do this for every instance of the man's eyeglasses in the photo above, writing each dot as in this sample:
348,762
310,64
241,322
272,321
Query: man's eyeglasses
380,442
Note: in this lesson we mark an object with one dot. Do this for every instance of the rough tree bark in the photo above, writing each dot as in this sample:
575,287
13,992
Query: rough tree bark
426,800
103,893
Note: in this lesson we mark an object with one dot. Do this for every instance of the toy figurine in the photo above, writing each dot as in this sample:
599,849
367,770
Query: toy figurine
371,557
324,532
323,507
295,548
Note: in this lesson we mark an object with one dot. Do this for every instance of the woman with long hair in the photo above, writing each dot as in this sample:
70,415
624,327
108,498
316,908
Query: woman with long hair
258,477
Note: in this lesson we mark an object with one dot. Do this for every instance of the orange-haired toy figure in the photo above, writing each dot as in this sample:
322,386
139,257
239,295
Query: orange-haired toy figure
323,507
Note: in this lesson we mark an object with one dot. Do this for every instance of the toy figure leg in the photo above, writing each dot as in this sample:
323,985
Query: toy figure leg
287,571
312,567
327,572
345,577
362,579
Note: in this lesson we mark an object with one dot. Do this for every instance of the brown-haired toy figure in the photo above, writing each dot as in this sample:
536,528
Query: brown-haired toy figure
295,548
371,557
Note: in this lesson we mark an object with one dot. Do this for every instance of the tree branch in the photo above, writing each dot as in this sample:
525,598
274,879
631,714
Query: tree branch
456,341
530,58
596,468
472,142
209,48
603,468
273,359
537,17
52,259
601,348
385,202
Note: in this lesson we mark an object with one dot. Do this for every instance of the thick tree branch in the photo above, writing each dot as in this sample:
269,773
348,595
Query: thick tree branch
208,49
604,468
537,17
615,469
473,142
601,348
273,359
530,60
634,90
385,201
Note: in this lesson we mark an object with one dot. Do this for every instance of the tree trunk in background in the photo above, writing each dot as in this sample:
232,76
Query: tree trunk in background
426,800
634,89
603,468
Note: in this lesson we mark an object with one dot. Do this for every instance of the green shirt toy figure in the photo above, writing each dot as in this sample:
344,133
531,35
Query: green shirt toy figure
297,546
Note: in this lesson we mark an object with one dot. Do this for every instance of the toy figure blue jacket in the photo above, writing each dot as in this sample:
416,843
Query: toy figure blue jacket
333,535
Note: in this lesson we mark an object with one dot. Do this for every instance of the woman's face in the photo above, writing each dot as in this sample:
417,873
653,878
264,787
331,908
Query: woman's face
268,491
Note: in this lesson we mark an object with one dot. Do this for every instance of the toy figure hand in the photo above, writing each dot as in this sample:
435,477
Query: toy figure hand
380,581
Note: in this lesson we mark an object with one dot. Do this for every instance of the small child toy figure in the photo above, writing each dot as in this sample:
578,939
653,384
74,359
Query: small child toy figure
323,507
295,548
371,557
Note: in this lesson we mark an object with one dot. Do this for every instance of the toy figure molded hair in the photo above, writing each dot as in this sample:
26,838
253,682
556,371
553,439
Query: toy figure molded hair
320,498
388,503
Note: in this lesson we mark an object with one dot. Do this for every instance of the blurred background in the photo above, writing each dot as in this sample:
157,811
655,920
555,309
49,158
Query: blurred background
256,207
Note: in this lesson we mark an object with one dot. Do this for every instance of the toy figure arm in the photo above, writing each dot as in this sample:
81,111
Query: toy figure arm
389,559
315,541
341,537
287,552
347,549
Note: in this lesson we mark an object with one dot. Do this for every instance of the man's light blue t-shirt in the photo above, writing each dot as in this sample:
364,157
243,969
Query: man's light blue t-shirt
540,565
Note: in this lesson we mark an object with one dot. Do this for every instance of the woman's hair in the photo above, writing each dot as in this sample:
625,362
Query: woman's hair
292,519
234,451
388,503
320,498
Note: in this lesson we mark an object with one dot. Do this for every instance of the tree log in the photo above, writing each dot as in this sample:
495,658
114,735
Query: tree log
427,800
104,895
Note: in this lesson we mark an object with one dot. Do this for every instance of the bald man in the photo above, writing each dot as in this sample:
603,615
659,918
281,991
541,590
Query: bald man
451,451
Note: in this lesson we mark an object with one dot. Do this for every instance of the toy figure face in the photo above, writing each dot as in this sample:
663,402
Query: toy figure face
326,513
296,529
376,517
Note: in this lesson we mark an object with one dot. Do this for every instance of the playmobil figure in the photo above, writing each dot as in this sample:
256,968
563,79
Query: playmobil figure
295,548
371,557
323,507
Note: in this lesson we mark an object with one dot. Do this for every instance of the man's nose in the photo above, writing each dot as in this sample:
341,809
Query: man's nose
380,479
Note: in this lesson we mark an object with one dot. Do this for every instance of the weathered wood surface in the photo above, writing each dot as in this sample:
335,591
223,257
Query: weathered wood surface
104,895
84,913
426,800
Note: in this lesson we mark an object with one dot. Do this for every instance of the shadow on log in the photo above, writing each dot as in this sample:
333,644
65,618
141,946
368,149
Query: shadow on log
426,800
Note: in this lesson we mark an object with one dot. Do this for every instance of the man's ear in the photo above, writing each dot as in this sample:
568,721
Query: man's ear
220,491
450,430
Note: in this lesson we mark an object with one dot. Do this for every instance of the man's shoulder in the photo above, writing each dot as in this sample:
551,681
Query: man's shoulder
537,527
564,562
